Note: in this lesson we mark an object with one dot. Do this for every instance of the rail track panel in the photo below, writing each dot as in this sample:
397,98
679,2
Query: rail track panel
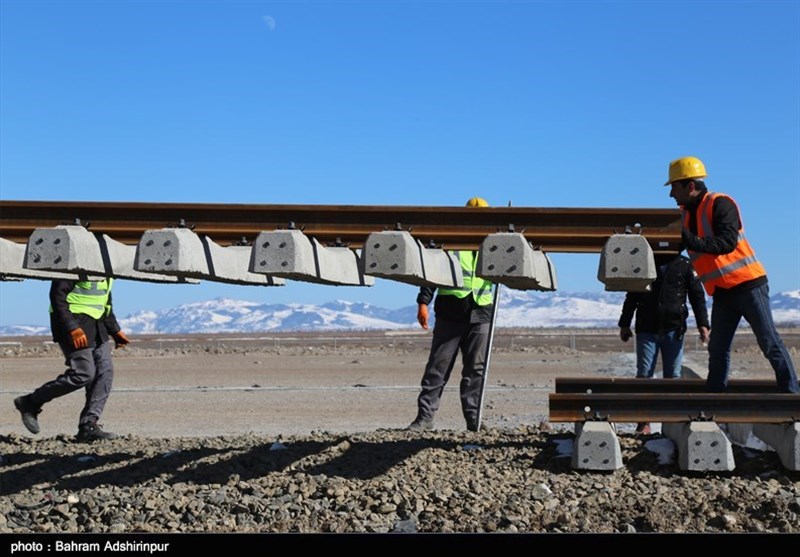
574,230
689,416
330,244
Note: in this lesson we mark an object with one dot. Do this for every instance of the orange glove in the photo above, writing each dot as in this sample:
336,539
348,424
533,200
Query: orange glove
422,315
120,339
79,340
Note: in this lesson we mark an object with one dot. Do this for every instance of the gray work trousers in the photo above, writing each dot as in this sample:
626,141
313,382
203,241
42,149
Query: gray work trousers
448,338
90,368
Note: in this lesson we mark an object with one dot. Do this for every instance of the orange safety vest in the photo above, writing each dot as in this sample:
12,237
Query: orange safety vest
725,270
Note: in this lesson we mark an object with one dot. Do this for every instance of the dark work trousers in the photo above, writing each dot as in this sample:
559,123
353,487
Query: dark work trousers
90,368
726,313
448,339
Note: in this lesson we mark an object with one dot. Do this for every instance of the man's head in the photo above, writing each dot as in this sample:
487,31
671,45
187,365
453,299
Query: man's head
685,179
476,202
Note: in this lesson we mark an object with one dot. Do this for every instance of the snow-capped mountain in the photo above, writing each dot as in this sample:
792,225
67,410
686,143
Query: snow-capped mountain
517,309
224,315
786,307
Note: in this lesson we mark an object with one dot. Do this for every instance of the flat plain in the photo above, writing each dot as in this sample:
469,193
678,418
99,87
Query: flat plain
296,383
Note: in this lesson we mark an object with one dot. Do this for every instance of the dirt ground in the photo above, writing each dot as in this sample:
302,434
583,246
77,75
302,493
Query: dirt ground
293,385
304,433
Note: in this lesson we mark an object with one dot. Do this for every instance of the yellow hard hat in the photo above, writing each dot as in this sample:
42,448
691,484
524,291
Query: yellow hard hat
476,202
686,168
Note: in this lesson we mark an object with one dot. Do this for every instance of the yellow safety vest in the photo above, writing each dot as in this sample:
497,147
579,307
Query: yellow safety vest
90,297
480,289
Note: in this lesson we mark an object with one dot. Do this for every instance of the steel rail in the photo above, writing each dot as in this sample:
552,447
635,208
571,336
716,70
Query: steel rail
574,230
675,407
657,385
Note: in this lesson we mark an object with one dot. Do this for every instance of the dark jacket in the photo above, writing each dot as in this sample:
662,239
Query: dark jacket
726,223
62,320
663,308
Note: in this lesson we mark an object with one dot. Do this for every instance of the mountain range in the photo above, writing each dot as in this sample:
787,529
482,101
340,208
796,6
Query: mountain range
517,309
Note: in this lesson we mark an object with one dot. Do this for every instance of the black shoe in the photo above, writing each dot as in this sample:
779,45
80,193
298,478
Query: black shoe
28,412
92,431
420,424
472,425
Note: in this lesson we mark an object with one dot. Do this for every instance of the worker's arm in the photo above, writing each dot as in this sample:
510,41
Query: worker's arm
697,299
113,328
110,320
628,309
59,289
423,301
726,230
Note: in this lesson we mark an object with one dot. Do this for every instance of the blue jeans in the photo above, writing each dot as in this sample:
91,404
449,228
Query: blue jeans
648,345
726,313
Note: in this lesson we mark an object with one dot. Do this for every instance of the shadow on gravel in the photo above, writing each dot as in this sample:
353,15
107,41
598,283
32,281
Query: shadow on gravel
200,465
549,458
76,472
366,460
254,463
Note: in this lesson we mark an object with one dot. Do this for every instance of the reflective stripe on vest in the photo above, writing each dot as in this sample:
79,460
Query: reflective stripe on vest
90,297
723,270
480,289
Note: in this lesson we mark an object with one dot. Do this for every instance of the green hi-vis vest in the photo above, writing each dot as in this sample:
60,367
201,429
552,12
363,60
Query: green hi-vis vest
90,297
480,289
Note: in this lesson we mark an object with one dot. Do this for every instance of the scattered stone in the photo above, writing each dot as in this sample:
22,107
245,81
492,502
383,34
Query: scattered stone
541,491
378,481
408,526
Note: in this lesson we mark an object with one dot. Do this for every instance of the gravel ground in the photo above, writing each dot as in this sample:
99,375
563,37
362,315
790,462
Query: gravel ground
514,476
383,481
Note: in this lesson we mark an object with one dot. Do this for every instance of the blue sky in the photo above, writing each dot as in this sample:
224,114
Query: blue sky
544,104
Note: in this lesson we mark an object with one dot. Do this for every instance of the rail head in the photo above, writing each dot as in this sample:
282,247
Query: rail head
594,385
571,230
675,407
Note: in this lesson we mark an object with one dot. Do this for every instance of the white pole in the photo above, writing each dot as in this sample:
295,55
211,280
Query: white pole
495,304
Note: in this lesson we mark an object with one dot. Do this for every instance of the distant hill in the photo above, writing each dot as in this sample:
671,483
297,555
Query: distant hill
517,309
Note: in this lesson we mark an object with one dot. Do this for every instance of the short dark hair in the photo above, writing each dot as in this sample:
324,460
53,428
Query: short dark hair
699,184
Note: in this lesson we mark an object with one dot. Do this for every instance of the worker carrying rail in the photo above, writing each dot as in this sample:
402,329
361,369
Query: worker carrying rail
463,322
713,234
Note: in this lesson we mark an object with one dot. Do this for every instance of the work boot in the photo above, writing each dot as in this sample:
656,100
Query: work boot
92,431
29,413
643,428
420,424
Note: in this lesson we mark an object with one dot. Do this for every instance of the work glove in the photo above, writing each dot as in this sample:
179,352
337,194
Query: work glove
625,333
79,340
120,339
422,315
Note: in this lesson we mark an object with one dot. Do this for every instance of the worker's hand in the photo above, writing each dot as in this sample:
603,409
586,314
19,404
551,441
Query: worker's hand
625,333
79,340
422,315
120,339
705,334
